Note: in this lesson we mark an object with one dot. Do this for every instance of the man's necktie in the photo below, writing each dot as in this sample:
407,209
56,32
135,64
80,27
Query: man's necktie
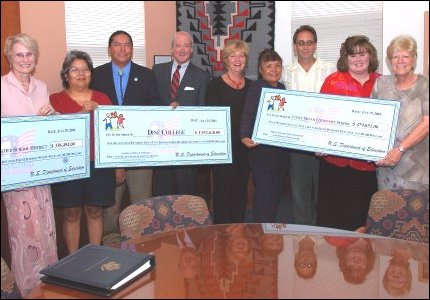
120,98
175,83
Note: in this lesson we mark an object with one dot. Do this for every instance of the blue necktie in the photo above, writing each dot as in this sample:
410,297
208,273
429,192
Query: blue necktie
120,98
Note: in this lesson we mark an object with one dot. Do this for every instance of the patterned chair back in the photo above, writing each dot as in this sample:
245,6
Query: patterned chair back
9,289
401,214
162,213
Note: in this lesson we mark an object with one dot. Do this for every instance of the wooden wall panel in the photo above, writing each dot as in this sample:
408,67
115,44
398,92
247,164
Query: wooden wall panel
10,25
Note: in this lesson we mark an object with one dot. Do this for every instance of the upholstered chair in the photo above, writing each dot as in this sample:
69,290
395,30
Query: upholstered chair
162,213
9,289
400,213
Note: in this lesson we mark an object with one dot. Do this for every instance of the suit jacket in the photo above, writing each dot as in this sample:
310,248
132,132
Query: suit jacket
192,89
141,85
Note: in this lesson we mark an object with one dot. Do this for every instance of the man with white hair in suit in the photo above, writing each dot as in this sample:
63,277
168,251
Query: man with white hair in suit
179,82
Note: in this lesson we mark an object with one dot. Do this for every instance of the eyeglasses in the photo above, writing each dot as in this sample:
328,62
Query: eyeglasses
21,55
307,43
75,70
306,265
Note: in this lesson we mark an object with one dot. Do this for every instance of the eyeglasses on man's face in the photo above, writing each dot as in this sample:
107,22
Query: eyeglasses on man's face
303,43
307,265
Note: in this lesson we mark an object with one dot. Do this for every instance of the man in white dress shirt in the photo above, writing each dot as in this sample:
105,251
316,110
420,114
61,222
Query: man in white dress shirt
307,73
305,258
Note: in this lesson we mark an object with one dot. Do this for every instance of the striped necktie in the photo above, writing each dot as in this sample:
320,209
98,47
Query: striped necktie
175,83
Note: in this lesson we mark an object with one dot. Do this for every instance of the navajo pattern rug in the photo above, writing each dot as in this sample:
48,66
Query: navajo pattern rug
213,23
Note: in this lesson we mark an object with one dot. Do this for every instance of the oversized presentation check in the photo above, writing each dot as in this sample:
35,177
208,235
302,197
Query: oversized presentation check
352,127
131,136
42,150
282,228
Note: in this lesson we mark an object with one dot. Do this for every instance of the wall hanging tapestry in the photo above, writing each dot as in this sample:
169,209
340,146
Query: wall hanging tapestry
213,23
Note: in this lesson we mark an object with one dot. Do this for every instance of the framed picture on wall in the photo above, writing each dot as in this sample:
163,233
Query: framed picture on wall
159,59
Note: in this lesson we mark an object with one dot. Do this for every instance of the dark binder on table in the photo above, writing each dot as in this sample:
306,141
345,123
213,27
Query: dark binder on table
98,269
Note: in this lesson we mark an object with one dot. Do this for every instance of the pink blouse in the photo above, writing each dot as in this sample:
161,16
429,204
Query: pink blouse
30,213
15,101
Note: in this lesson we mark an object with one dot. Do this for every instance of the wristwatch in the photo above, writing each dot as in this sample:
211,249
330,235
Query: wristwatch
402,149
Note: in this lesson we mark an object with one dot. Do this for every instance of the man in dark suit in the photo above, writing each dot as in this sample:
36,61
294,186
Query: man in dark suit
126,83
190,90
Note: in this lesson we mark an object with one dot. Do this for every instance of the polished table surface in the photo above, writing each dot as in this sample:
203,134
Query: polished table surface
272,261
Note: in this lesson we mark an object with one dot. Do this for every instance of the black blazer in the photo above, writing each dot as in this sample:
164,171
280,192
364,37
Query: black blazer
141,86
192,89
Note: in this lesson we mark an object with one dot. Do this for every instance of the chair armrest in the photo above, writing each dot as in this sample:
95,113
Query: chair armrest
361,229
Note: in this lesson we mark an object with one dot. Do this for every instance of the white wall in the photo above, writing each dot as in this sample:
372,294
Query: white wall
398,18
283,34
405,18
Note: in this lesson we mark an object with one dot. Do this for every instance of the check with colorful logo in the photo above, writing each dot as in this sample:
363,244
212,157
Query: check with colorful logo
42,150
352,127
132,136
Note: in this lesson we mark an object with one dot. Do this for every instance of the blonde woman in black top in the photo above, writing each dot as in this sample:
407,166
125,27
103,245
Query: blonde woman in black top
230,180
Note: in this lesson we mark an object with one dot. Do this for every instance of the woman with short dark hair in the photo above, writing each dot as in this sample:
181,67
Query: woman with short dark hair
98,191
268,164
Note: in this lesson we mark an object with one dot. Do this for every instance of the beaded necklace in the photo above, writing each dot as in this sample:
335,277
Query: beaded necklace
237,84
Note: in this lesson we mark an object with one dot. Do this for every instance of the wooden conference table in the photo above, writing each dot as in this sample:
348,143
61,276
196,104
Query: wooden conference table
258,261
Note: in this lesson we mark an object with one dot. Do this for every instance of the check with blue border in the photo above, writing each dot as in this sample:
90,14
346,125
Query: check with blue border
39,150
353,127
133,136
282,228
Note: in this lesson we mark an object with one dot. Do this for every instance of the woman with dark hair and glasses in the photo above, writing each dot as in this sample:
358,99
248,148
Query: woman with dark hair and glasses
268,164
93,193
346,185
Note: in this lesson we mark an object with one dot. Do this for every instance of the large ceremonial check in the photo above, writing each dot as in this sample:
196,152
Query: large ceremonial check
131,136
42,150
352,127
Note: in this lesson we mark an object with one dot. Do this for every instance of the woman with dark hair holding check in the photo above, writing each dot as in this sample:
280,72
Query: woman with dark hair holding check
269,164
346,185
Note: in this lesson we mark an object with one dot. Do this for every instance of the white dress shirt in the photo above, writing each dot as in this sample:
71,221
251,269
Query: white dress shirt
296,78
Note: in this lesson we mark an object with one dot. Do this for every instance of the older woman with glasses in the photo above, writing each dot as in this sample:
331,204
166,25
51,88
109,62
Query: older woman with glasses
29,211
346,185
405,166
90,193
